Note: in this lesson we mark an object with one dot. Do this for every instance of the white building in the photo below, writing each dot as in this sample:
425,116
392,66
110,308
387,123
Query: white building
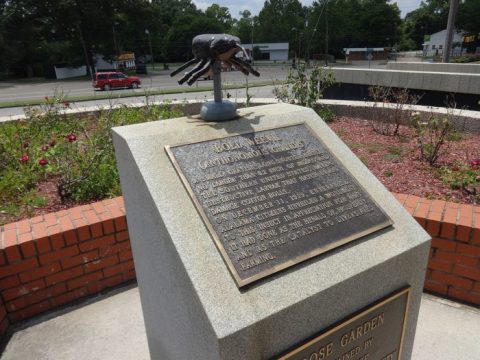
270,51
436,42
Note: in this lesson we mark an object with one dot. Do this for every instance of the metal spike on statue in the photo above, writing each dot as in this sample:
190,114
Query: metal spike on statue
209,50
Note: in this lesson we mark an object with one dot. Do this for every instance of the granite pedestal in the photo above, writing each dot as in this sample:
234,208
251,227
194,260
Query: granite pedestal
193,308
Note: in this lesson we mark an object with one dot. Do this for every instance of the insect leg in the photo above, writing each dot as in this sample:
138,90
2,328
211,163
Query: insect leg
200,72
199,65
184,66
239,66
247,66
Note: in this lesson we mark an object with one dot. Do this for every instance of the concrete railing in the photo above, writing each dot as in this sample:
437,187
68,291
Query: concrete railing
420,80
434,67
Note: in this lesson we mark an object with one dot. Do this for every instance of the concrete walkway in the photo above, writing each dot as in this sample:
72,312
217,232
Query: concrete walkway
112,329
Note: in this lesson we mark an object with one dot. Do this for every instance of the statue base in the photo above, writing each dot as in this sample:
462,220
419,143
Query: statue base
218,111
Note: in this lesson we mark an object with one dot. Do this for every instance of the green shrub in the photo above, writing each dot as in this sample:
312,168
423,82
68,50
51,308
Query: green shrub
75,152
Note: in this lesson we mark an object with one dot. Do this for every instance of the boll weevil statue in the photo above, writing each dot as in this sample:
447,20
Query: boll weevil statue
209,48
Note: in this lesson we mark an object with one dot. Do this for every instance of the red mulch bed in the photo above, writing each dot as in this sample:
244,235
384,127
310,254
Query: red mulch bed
395,160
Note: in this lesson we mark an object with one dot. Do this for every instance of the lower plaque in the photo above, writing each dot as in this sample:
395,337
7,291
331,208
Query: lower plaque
274,198
376,333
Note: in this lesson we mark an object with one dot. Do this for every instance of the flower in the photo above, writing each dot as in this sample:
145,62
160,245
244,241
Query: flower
52,142
46,98
24,158
42,162
475,163
66,104
45,148
71,137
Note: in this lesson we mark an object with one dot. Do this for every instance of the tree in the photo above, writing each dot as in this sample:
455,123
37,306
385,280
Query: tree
221,15
429,18
243,28
468,16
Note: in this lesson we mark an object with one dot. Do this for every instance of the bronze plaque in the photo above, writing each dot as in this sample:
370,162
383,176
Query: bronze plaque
376,333
274,198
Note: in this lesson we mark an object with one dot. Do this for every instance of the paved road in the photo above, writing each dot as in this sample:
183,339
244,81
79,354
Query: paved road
159,80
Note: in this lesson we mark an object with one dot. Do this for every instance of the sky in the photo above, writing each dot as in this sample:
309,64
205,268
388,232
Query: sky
255,6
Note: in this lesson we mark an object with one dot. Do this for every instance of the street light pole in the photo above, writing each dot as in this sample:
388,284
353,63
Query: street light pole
151,49
326,33
452,13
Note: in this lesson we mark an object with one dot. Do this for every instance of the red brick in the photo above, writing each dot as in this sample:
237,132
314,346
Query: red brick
23,289
83,232
4,326
422,210
448,245
476,234
436,287
3,312
23,238
91,217
68,297
113,281
28,249
13,253
3,259
50,219
122,236
39,230
129,275
96,243
9,238
468,250
84,280
125,255
98,207
18,267
9,282
96,229
23,227
122,267
440,265
447,230
113,249
438,206
456,258
43,245
16,304
57,241
468,272
64,275
467,296
79,259
66,224
46,293
411,201
463,233
100,264
95,287
75,213
433,227
476,287
38,273
11,226
29,311
421,221
59,254
70,237
451,280
120,223
108,226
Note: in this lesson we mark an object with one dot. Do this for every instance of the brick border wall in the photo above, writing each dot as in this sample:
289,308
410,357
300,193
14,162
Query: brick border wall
50,260
53,259
454,263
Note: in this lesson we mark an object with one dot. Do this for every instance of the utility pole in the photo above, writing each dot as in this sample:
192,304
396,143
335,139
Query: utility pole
326,33
151,49
452,13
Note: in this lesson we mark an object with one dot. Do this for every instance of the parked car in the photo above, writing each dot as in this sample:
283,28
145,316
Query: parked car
110,80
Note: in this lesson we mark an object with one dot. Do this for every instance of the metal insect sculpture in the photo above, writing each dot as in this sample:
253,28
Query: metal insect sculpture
208,48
